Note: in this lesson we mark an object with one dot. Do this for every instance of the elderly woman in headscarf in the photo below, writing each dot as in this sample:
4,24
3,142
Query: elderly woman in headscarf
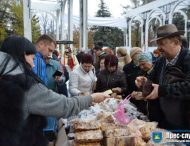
145,62
151,108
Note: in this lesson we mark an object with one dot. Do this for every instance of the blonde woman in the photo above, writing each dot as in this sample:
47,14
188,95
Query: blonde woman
123,58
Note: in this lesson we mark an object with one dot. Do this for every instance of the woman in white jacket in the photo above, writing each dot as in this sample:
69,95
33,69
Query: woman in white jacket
83,78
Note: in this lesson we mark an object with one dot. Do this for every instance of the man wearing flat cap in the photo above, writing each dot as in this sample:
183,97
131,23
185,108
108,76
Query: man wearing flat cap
171,79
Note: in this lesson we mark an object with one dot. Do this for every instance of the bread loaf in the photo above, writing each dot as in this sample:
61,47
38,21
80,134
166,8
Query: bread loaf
84,126
117,132
88,136
87,144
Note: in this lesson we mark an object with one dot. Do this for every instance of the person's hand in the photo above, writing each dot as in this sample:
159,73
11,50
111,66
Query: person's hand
137,95
113,95
99,97
58,79
117,90
139,80
154,93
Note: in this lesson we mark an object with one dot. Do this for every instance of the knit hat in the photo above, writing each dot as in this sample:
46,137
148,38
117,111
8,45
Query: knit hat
134,51
147,57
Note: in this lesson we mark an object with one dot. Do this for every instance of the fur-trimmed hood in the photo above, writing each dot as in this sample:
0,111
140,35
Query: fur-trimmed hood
9,65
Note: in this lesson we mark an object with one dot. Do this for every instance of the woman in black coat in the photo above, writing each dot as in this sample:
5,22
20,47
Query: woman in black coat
111,77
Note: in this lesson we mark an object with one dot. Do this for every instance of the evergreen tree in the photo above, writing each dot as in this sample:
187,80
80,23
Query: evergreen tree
16,11
109,36
36,32
103,10
178,20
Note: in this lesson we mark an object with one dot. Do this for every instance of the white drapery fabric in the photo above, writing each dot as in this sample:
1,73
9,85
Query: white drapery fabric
103,21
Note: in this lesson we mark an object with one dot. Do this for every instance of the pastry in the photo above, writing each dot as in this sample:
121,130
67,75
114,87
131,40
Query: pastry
88,136
105,117
117,132
87,144
147,129
84,126
108,91
124,141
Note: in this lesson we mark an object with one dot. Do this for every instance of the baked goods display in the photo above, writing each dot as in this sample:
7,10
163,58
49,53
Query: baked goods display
87,144
105,117
116,90
108,91
125,141
147,129
117,132
114,93
79,125
106,126
88,136
97,126
133,113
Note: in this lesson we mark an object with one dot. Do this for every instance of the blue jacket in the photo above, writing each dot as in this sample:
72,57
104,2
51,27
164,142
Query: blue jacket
40,68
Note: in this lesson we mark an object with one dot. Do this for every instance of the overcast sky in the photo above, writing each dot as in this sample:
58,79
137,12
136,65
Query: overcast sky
114,6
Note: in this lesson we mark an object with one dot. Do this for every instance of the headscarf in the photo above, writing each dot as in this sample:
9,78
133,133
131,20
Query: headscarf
147,57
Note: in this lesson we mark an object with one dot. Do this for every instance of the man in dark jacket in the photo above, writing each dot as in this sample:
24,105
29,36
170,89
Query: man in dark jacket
171,79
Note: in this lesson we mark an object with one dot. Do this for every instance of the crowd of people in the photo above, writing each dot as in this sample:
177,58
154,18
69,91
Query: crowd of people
25,97
33,83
